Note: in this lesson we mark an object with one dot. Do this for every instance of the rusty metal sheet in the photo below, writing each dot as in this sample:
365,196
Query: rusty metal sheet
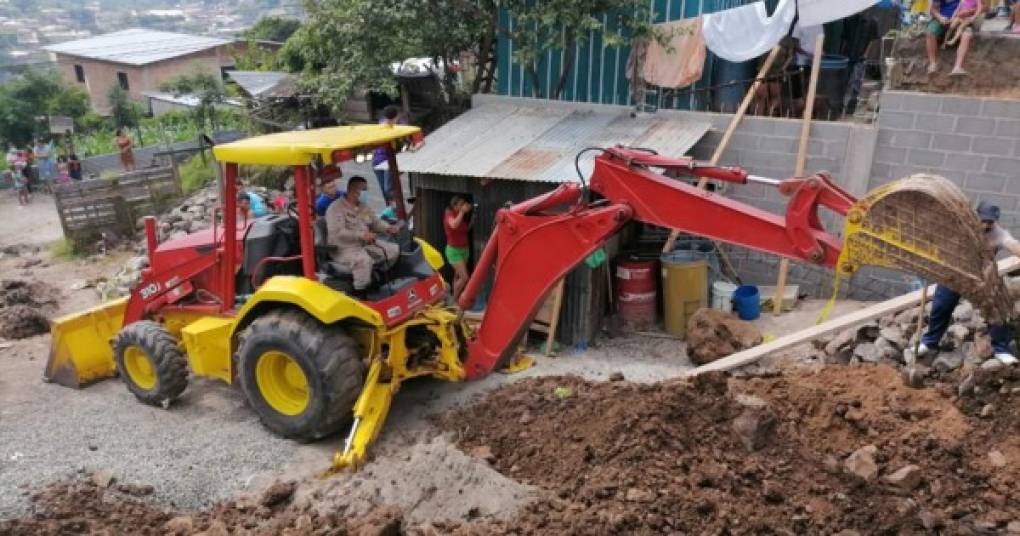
525,139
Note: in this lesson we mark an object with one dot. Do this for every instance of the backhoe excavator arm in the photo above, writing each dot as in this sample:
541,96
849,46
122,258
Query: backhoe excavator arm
537,242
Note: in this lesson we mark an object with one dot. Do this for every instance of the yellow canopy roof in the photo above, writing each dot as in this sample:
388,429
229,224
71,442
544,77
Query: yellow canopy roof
299,147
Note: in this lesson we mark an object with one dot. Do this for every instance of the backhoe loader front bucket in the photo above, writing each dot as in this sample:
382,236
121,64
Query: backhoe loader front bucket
80,351
925,225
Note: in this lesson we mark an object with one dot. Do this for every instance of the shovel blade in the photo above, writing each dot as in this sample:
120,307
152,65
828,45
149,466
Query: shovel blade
925,225
80,351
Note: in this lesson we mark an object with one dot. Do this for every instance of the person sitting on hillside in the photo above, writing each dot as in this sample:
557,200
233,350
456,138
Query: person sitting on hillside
947,15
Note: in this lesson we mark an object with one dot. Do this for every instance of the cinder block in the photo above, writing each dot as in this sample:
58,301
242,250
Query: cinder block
777,144
880,174
885,136
1001,108
935,123
896,120
833,149
758,125
985,182
1006,203
788,128
1004,166
992,146
823,164
1013,185
921,102
890,155
975,125
964,162
1007,128
744,140
951,142
892,100
924,157
912,139
961,105
829,130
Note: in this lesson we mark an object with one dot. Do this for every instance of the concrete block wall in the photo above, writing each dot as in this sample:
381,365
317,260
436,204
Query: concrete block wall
972,141
768,147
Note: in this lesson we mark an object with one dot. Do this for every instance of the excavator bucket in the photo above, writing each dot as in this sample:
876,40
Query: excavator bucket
925,225
80,351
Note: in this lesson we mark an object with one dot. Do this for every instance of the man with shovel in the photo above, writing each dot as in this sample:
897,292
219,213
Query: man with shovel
945,300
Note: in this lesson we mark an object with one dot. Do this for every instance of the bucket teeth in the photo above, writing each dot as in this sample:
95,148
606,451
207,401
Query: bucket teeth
925,225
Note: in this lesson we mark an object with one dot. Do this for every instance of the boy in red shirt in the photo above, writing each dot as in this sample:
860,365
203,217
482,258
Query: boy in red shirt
456,226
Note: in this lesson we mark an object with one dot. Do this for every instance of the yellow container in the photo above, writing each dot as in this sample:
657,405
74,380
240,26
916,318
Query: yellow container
684,291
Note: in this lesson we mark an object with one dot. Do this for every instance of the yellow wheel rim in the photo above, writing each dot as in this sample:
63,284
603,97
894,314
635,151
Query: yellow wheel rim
139,367
282,382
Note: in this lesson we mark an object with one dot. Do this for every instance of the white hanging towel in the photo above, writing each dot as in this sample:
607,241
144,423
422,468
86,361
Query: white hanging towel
746,32
816,12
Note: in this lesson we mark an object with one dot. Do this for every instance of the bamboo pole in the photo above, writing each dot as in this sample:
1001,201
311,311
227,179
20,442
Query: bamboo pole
805,133
725,141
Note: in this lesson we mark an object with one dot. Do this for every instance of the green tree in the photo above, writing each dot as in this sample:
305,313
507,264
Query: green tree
27,100
123,111
351,44
205,87
272,28
559,25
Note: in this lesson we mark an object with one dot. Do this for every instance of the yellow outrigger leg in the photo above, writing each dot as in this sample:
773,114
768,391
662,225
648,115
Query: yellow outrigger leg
369,416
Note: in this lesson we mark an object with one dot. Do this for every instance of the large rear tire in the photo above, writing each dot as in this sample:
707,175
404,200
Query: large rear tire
301,377
150,362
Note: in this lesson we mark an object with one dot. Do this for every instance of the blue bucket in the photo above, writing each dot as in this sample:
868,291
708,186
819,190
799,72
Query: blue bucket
747,302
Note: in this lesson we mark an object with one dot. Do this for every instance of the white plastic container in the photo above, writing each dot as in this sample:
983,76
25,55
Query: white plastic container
722,295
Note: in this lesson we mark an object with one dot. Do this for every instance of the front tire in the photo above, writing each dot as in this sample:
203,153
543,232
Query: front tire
301,377
150,362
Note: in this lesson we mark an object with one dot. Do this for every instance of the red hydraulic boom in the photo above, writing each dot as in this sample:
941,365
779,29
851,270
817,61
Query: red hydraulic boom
537,242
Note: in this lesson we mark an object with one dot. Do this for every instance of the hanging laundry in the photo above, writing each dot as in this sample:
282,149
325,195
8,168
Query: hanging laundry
746,32
679,63
815,12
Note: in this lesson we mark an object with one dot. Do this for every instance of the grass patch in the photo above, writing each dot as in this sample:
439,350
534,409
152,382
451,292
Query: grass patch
196,173
63,249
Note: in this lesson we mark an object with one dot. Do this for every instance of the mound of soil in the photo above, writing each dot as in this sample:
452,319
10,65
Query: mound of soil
98,506
24,307
808,452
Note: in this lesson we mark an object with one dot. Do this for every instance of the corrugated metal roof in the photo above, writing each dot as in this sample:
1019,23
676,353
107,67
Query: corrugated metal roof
137,46
512,138
255,83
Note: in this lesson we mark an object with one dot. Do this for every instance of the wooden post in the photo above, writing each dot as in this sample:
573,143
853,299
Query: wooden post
805,133
725,141
554,317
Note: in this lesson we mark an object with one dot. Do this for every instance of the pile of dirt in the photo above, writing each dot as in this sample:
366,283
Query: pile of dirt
96,505
842,448
24,307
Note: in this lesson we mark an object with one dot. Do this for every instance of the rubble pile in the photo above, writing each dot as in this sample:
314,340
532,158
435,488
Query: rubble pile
712,334
893,338
24,307
193,214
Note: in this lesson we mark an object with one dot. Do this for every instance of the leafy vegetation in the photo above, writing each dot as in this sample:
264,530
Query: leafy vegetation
196,173
271,28
205,87
165,129
25,102
123,111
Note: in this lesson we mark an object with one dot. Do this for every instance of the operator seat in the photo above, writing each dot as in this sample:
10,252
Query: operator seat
328,269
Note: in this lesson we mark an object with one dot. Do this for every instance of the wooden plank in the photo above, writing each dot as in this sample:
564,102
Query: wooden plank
730,129
894,305
554,321
798,170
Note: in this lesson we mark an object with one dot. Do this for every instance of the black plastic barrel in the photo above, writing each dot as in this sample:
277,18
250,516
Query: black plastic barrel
832,84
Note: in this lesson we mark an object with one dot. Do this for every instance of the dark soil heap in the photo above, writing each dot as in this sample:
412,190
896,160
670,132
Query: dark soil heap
620,458
24,306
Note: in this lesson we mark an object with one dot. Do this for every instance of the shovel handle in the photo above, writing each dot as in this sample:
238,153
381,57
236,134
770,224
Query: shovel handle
920,321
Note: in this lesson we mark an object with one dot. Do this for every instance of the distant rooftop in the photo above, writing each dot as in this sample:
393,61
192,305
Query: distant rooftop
137,46
262,83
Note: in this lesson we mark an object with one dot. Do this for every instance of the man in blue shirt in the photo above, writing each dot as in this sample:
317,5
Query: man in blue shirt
251,205
329,194
970,15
